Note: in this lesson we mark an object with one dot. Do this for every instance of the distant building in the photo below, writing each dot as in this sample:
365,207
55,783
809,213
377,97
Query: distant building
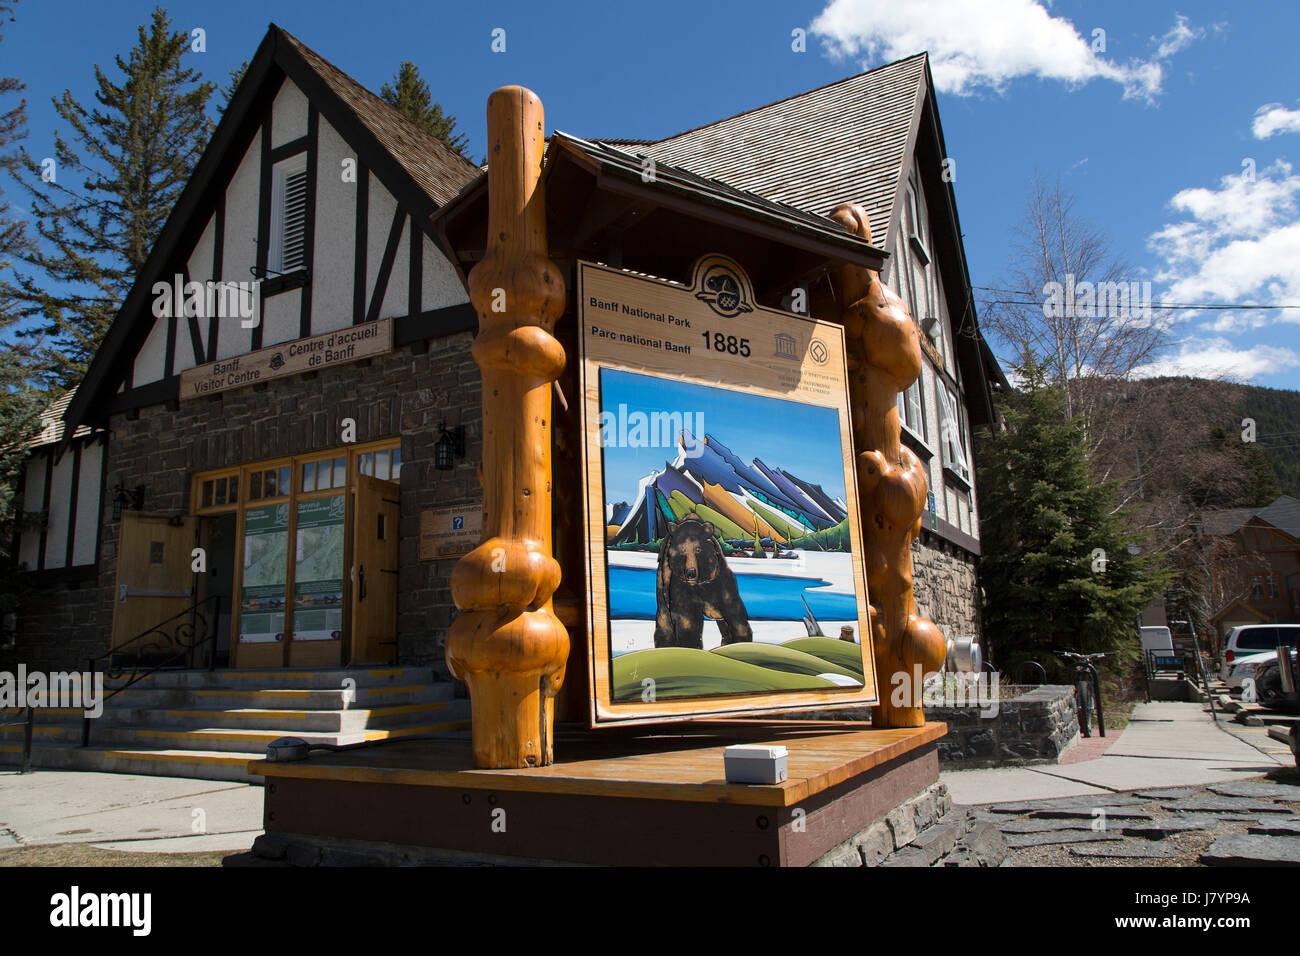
1266,585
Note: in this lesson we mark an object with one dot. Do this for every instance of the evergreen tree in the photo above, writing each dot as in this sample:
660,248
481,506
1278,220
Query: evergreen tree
100,206
410,94
228,91
19,401
1057,571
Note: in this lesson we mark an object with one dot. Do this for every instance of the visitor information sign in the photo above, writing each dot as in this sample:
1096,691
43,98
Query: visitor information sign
724,550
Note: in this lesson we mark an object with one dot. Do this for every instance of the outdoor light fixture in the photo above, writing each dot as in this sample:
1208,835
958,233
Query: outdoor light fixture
450,447
133,498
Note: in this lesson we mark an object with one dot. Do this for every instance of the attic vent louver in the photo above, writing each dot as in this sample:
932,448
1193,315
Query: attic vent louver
289,251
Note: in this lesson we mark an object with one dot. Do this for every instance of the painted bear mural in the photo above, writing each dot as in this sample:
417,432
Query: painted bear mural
694,582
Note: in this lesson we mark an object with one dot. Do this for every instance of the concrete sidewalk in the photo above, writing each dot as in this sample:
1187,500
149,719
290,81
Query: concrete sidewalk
116,811
1164,745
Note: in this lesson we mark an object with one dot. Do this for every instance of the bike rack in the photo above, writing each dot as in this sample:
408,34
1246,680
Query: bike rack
1042,673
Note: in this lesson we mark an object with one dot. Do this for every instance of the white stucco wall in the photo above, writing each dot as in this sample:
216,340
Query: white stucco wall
56,532
334,252
87,518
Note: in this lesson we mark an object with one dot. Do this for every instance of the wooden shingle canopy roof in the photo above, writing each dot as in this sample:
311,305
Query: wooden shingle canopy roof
413,165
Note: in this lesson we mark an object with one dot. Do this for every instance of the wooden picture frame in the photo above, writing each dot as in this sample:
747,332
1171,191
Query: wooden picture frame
651,337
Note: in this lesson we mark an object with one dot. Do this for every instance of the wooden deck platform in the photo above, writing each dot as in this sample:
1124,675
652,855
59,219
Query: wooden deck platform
647,795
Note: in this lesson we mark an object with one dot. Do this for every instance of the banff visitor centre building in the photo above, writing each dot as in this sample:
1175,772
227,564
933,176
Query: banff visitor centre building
270,468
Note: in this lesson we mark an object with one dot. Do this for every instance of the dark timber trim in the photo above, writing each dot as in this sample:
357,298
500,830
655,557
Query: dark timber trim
72,504
293,147
218,261
45,508
263,213
169,356
155,393
55,576
309,236
362,237
103,485
196,334
386,264
434,324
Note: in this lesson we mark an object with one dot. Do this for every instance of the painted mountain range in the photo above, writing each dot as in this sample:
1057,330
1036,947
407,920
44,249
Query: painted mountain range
744,502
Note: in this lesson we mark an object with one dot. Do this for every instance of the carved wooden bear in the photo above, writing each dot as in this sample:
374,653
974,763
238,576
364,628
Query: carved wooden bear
694,582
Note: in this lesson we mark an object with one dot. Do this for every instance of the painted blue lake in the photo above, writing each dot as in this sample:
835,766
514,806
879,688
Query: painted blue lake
767,597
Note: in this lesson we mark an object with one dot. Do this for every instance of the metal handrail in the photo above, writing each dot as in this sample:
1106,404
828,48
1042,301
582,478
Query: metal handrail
27,723
183,634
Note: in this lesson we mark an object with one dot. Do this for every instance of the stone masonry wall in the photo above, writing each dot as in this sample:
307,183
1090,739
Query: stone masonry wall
162,447
946,585
1034,727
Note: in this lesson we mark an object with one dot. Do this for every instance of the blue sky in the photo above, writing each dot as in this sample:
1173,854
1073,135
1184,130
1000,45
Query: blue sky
801,439
1150,135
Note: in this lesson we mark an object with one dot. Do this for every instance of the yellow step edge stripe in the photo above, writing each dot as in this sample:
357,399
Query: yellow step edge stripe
251,714
177,757
41,710
379,691
411,731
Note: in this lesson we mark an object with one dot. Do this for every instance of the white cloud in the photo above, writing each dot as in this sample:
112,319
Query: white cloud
1274,118
975,44
1177,38
1238,242
1217,358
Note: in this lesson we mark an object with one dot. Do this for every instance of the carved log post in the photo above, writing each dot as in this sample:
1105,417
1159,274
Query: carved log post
884,359
508,645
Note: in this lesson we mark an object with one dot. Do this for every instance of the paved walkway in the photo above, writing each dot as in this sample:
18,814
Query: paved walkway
1164,745
116,811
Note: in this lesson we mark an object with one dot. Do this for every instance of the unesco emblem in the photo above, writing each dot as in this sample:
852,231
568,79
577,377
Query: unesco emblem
723,291
818,351
277,361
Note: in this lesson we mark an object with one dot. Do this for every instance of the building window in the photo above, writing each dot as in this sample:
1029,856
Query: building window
1256,588
952,435
288,251
1272,586
911,410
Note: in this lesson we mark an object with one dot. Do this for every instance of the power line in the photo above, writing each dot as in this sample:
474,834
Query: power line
1202,306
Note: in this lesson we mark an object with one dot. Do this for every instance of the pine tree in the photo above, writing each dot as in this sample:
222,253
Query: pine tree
19,401
228,91
1057,570
100,206
410,94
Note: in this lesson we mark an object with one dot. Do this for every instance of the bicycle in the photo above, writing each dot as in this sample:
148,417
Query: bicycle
1087,688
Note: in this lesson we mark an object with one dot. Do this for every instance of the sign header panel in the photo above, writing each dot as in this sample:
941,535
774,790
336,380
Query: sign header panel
289,358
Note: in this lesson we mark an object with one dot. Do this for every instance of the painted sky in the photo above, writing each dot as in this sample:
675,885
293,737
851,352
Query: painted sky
1153,135
802,439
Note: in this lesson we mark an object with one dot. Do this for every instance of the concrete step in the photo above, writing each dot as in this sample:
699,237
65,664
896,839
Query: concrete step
279,698
284,720
283,678
204,765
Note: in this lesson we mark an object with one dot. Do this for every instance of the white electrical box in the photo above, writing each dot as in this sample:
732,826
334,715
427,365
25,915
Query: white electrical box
746,763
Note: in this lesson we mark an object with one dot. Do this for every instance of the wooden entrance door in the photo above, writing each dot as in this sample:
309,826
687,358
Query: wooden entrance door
154,582
374,571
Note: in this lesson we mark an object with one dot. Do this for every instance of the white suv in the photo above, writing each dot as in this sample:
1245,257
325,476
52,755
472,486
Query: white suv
1253,644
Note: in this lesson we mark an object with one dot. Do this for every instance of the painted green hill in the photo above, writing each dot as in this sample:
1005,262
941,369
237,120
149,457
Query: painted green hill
686,672
784,658
841,653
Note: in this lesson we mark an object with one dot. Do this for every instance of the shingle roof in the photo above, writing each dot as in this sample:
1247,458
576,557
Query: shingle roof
845,142
440,171
1283,514
51,423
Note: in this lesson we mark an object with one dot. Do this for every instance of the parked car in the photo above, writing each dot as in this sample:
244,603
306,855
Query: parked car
1268,682
1247,666
1250,639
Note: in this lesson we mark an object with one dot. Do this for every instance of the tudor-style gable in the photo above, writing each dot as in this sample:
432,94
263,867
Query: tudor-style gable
307,213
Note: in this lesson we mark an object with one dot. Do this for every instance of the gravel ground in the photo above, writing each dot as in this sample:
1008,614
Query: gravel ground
83,854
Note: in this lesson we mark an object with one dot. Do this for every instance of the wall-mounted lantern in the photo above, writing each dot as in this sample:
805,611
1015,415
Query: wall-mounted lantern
451,445
131,498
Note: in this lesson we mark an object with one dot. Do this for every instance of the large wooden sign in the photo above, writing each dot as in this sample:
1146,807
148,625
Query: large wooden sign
289,358
724,550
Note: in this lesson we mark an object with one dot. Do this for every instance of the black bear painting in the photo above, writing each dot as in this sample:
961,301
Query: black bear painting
694,582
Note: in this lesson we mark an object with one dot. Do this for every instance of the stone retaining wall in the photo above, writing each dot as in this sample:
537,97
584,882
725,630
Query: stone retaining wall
1034,727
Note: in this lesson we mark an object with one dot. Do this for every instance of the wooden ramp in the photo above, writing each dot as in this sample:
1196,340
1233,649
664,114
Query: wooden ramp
638,796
